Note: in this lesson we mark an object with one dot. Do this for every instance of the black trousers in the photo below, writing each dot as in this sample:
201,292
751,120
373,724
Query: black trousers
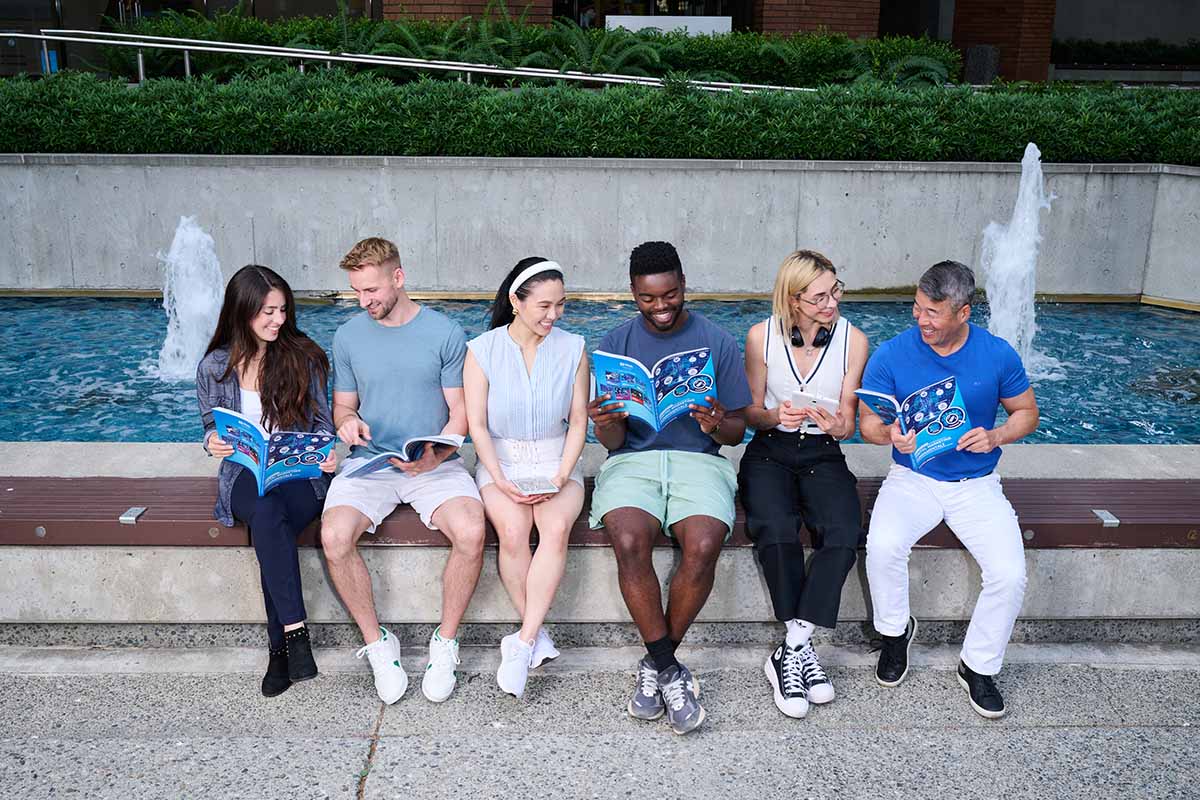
788,481
275,521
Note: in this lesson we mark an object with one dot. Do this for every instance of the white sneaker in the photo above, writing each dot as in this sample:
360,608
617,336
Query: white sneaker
440,680
543,649
516,657
391,680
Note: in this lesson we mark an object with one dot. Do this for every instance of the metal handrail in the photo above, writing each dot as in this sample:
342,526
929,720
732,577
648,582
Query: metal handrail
307,52
303,54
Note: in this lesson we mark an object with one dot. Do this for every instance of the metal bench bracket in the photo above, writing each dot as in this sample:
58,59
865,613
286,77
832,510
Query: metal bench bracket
1109,520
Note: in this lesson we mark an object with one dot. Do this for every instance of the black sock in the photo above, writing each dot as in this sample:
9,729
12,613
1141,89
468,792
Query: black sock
662,653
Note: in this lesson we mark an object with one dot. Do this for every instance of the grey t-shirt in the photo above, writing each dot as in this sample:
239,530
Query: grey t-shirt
399,373
633,338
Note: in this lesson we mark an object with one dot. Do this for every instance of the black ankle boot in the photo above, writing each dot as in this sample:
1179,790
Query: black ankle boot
276,681
300,663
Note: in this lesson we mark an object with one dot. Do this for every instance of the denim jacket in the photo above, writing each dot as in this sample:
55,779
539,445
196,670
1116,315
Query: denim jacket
211,391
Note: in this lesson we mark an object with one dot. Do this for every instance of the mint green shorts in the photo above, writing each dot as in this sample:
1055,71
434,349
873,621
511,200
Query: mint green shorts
670,485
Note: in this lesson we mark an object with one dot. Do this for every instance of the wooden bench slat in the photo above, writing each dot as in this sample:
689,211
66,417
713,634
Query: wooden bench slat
84,511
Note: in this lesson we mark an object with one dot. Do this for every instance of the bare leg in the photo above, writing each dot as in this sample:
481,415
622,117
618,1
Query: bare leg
554,518
341,527
700,538
461,520
512,522
632,532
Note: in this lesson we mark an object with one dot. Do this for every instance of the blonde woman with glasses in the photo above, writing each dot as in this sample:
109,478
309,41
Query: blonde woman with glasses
803,364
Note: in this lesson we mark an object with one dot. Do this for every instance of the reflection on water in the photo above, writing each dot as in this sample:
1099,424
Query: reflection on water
84,369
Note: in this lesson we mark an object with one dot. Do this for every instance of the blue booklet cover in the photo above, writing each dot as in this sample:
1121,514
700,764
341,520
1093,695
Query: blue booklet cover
273,458
658,395
936,412
412,450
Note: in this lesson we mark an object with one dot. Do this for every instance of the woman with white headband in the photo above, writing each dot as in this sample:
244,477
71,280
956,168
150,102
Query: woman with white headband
526,387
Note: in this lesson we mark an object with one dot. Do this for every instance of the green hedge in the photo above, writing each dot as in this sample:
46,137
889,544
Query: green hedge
336,113
799,60
1146,51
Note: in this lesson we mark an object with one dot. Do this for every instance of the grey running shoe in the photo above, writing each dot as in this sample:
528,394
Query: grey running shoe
679,692
647,700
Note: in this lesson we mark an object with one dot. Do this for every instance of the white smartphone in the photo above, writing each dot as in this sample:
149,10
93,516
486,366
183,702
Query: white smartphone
532,486
801,398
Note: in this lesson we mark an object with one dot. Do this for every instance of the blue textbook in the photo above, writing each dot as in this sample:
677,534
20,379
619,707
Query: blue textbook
274,458
936,412
412,450
658,395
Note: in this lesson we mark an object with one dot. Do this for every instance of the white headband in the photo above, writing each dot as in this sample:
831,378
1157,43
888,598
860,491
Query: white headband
534,269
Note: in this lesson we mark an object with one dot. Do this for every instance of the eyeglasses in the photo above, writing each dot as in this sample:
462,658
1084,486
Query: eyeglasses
834,295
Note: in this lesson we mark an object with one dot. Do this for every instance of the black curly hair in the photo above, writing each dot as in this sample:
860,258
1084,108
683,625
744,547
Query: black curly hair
653,258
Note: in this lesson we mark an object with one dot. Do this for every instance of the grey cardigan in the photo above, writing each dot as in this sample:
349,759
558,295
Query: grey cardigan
211,391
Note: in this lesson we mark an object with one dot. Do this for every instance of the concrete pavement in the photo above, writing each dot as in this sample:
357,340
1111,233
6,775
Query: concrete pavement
1085,721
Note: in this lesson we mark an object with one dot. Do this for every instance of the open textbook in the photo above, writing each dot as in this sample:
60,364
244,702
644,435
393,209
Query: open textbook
936,412
274,458
412,451
658,395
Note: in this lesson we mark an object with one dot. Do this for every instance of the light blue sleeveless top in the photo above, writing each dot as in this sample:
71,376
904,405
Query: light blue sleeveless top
526,406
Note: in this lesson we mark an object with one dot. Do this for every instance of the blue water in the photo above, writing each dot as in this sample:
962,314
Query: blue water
83,369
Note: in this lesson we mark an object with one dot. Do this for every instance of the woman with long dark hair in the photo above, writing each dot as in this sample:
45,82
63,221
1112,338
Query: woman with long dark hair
260,364
526,387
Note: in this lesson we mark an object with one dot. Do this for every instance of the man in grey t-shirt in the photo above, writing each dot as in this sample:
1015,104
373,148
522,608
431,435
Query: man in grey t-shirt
398,375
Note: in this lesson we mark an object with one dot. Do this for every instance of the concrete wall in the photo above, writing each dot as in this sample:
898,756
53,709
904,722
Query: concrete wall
86,222
1174,253
1173,21
218,584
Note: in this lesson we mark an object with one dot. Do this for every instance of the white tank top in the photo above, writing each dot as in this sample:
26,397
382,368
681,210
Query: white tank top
252,407
825,378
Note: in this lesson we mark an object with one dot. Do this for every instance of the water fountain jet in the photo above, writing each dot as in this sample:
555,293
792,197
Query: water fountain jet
192,298
1009,264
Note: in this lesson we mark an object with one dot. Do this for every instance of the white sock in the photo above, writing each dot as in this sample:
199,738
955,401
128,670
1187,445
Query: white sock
798,632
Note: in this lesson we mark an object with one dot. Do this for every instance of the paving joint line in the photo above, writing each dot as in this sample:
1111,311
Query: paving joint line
360,794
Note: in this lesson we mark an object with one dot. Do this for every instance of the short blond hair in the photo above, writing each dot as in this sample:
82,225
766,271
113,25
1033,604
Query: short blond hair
371,252
796,272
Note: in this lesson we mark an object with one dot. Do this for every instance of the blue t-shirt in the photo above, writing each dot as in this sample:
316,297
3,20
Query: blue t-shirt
986,368
634,339
399,373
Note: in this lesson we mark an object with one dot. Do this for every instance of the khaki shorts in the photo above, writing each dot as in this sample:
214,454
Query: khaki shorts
377,495
670,485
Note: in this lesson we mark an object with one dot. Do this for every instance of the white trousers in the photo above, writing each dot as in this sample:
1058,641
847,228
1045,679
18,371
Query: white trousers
909,506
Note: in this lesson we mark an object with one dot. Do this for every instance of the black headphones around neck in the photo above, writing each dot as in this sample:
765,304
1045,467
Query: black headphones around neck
820,340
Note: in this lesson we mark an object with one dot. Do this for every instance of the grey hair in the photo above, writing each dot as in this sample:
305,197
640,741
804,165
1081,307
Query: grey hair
949,280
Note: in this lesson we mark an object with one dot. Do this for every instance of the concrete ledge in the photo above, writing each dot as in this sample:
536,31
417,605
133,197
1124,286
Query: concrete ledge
221,585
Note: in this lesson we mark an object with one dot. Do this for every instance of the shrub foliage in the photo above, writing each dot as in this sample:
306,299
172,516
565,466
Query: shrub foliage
498,38
333,112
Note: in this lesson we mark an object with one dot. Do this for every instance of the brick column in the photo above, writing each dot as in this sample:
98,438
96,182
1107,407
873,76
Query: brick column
856,18
539,10
1020,29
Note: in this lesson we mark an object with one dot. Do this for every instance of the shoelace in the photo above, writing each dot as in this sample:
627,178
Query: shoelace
813,672
793,673
673,694
987,687
647,680
443,654
366,649
890,648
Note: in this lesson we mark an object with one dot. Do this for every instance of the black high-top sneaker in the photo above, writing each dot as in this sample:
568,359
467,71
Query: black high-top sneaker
785,671
981,689
893,656
276,681
301,664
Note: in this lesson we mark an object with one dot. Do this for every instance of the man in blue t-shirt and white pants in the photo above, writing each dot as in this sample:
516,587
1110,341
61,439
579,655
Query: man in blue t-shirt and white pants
959,486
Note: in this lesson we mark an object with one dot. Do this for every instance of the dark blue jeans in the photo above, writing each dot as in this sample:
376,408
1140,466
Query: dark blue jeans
275,521
788,481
